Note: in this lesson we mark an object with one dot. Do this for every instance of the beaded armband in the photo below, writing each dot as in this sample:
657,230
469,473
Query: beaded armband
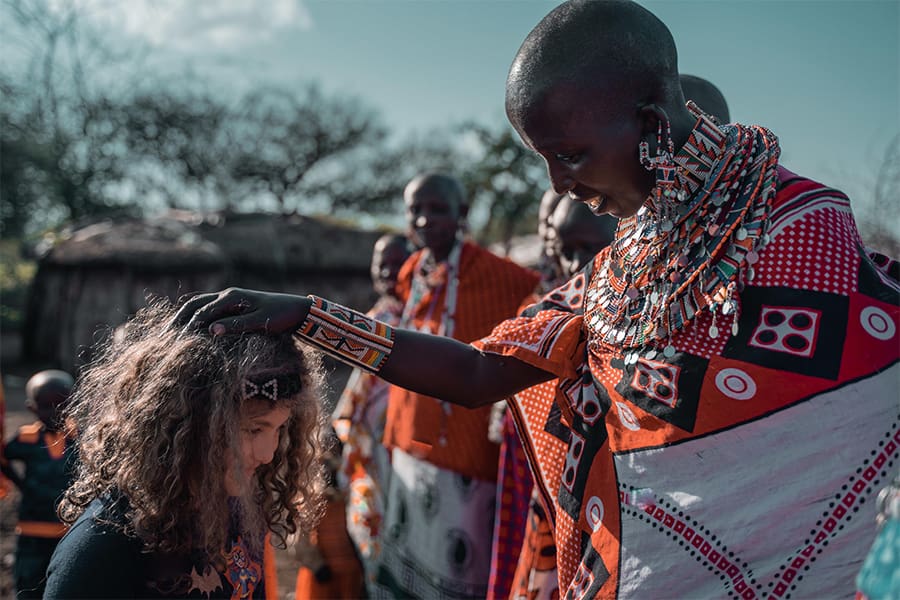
347,335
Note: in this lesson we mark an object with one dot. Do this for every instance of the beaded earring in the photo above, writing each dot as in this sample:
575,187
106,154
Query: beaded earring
664,165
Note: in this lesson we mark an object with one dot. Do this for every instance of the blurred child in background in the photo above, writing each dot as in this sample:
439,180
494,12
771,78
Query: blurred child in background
45,451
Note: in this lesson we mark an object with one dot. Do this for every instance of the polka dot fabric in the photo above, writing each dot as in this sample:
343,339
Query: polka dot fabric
814,244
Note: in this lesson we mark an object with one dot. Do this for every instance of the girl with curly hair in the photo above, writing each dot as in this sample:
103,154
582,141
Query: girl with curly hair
196,454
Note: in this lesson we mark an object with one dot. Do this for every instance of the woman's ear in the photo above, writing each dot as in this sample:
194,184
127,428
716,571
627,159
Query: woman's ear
653,118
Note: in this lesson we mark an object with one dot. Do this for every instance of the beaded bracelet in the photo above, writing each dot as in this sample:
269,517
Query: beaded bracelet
347,335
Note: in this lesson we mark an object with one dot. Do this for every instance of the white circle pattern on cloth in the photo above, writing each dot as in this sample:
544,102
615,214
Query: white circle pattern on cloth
736,383
877,323
593,512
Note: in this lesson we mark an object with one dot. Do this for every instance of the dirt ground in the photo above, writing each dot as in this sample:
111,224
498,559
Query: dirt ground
14,378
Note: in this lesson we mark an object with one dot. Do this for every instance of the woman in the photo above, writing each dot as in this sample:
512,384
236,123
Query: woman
722,401
196,452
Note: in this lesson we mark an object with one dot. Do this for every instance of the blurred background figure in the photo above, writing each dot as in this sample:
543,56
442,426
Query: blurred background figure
548,266
363,470
5,483
439,518
572,235
45,451
329,566
707,96
579,234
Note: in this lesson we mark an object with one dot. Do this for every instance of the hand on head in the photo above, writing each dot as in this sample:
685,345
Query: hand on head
237,310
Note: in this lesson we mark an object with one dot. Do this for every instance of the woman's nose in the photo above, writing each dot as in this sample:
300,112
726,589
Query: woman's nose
560,180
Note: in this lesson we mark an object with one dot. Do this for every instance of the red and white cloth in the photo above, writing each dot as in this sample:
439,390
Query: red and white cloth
743,466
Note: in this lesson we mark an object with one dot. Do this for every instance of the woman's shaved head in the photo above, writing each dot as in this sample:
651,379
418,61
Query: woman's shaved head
616,47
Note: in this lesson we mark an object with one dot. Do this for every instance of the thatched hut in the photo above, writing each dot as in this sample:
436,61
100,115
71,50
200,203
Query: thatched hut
95,277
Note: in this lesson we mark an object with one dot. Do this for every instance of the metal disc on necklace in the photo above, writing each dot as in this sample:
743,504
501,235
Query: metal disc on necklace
650,354
666,225
654,297
734,327
632,293
669,351
713,331
752,257
741,234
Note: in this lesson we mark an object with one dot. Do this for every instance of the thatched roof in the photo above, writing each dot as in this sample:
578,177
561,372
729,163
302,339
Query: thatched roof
150,245
291,243
188,242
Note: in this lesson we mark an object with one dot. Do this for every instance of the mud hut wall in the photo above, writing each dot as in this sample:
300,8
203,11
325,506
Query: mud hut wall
72,308
96,282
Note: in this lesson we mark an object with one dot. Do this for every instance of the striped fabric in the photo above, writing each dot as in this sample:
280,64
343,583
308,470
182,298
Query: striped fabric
514,484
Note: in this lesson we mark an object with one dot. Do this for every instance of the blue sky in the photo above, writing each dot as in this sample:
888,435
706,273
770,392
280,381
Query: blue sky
823,75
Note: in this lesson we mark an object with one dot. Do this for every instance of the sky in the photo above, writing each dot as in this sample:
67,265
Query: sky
824,75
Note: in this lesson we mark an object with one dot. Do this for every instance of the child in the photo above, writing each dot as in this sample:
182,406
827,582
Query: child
195,452
45,451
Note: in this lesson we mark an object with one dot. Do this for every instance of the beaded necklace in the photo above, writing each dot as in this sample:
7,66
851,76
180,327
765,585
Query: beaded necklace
690,248
429,275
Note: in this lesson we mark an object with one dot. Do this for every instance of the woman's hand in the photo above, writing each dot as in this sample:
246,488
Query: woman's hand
236,310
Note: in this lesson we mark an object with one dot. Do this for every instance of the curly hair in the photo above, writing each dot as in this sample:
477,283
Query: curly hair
158,411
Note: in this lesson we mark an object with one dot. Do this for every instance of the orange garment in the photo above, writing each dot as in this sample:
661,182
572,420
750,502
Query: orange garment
270,572
337,551
490,290
5,484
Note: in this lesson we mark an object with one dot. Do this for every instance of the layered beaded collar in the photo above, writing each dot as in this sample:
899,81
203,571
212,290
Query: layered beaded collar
691,247
430,276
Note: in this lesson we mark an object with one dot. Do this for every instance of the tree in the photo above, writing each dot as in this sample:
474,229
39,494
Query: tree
60,136
180,144
506,180
879,224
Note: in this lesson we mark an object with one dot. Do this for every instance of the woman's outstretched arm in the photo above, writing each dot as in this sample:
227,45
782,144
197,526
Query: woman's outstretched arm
432,365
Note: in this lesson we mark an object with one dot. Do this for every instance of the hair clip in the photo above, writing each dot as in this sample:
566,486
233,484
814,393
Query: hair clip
287,384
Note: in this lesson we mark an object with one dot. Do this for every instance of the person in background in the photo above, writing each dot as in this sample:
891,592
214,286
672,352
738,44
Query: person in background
521,560
548,265
712,410
356,502
5,483
707,96
438,525
45,450
196,452
580,235
329,566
